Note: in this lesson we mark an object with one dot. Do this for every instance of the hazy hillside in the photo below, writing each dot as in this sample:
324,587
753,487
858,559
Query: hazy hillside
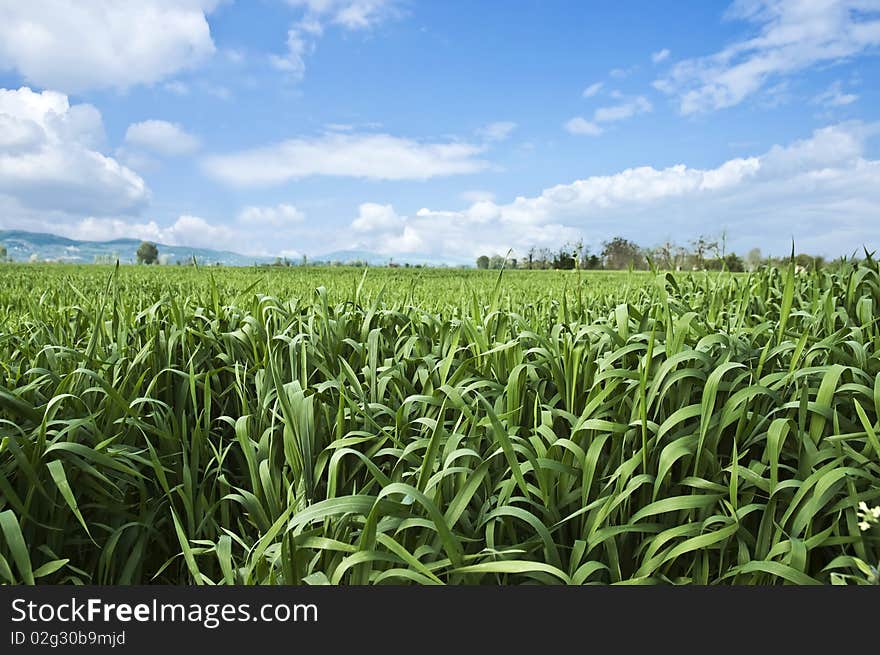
22,246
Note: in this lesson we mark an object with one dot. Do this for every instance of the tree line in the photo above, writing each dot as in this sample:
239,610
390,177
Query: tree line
702,253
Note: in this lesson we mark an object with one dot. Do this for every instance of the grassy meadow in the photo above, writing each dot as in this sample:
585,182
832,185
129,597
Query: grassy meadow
395,426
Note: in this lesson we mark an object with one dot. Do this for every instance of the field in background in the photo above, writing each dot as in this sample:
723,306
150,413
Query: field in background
437,426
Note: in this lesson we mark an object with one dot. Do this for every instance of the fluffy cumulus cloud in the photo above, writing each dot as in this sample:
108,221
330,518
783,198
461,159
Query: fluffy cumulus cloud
822,190
161,137
371,156
282,215
256,230
278,230
316,15
186,230
608,114
197,232
822,186
788,36
50,157
455,235
376,218
74,46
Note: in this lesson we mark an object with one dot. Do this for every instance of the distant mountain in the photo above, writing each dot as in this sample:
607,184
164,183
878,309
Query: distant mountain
375,259
22,246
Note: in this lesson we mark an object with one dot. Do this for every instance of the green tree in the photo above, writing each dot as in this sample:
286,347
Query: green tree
482,262
620,253
703,246
496,262
734,263
147,253
2,253
566,257
808,261
730,262
669,255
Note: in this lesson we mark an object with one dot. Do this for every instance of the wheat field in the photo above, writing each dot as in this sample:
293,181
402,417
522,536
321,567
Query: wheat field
317,425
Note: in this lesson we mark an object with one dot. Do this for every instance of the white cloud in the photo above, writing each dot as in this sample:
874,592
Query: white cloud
660,55
821,190
610,114
50,159
161,137
476,230
18,135
791,36
279,216
187,230
264,231
498,131
257,231
580,125
350,15
638,105
477,195
593,89
254,233
373,217
371,156
621,73
834,96
74,46
107,229
294,60
195,231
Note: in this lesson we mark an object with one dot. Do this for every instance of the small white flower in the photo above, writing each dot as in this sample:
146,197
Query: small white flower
863,506
864,525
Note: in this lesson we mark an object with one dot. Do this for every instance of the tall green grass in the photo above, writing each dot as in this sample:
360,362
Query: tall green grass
436,427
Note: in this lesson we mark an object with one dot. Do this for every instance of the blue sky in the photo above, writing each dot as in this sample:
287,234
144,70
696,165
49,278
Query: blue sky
283,127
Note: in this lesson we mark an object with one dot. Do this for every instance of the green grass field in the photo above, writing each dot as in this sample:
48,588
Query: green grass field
233,426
